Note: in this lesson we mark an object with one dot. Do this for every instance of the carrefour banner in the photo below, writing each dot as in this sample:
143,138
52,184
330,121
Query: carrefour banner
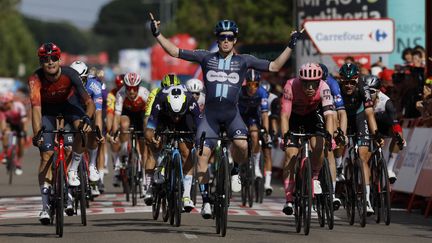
409,17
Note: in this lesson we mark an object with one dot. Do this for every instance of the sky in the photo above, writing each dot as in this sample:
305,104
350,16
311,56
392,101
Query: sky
81,13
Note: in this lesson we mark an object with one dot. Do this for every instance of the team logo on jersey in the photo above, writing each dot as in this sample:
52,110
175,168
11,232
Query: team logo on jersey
264,102
95,88
338,98
220,76
238,132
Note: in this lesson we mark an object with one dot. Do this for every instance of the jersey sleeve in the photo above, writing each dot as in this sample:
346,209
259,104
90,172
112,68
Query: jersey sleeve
21,108
287,98
111,99
34,85
391,112
144,94
256,63
264,99
336,93
150,101
326,98
156,109
96,90
193,56
194,110
121,94
365,94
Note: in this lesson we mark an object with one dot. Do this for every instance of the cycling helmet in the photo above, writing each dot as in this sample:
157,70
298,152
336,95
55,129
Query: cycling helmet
310,72
349,71
6,97
176,102
266,85
80,67
49,49
132,79
119,81
325,71
253,76
170,80
372,81
226,25
194,85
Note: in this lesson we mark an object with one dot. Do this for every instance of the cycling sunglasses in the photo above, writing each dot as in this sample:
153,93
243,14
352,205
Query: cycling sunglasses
373,91
311,83
196,93
252,85
351,82
46,59
132,88
230,38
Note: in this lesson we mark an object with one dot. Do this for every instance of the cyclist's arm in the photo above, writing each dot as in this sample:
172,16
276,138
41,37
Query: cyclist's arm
368,104
328,107
391,114
277,64
79,87
110,112
118,108
264,109
195,110
98,100
34,85
286,108
343,120
168,46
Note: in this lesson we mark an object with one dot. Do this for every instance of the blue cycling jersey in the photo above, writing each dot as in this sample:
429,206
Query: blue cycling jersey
94,88
336,92
223,77
253,105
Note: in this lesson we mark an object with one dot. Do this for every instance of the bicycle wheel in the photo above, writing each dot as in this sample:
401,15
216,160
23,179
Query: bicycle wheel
307,195
60,200
133,165
298,211
178,192
244,184
251,183
360,191
11,164
165,211
349,192
385,192
320,209
194,187
82,194
375,186
156,203
224,189
327,196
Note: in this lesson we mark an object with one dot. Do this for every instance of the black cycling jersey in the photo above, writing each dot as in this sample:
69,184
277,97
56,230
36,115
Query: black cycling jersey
359,100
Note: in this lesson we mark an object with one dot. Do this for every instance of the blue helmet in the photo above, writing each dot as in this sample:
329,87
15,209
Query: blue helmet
325,71
253,76
226,25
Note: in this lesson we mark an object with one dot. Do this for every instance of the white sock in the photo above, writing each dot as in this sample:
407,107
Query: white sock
187,184
93,156
267,182
334,186
338,162
101,176
392,161
367,192
76,159
257,160
124,148
116,159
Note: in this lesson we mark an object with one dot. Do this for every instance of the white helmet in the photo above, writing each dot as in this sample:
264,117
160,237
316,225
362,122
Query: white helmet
80,67
194,85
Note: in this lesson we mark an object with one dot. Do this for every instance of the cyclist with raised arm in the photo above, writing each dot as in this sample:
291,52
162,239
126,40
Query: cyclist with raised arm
173,109
305,101
223,73
388,124
340,121
196,87
55,90
130,106
253,107
13,116
361,118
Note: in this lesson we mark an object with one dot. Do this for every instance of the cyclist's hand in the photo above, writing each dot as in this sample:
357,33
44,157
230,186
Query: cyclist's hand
295,35
154,26
380,141
85,124
37,141
156,141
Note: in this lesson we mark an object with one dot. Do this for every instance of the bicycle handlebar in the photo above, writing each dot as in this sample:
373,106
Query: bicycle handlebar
203,138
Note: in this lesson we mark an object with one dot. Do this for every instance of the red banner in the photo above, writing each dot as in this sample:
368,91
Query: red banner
363,59
95,59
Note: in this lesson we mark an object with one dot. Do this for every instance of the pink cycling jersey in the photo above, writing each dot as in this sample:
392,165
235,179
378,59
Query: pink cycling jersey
15,115
295,100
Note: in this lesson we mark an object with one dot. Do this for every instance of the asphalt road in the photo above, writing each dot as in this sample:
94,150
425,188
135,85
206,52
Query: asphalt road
111,219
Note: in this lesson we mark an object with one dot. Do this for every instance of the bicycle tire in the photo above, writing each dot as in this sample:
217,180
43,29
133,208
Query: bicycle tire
11,164
225,189
385,193
165,211
194,187
82,195
133,164
360,190
298,212
60,200
349,192
178,190
216,195
307,196
244,185
375,185
328,195
251,183
320,209
156,204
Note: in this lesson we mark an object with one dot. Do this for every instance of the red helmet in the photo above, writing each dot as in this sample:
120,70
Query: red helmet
310,71
49,49
132,79
119,81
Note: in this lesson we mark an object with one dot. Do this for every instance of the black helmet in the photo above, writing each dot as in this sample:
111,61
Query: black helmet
325,71
349,71
372,81
253,76
226,25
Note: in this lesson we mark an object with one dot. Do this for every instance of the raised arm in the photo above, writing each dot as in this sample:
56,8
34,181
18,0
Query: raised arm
277,64
166,44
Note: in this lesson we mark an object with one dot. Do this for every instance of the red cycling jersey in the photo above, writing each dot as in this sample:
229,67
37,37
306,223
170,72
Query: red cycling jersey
137,105
43,91
15,115
295,100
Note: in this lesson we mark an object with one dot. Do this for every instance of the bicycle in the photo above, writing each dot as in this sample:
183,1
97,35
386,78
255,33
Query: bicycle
220,197
11,155
59,167
247,175
173,185
355,186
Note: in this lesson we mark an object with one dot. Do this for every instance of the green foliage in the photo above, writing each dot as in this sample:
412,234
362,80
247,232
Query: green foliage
17,45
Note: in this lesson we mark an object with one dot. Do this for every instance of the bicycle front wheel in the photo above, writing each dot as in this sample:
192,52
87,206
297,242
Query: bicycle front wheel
133,163
385,193
360,191
224,189
177,190
60,186
327,188
349,192
82,194
307,195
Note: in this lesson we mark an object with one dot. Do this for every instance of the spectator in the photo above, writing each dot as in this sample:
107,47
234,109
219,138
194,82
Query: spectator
407,56
423,53
417,59
349,59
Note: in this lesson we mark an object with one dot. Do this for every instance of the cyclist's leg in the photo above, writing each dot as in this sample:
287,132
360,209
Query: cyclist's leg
185,148
92,146
256,148
124,137
267,168
237,129
364,154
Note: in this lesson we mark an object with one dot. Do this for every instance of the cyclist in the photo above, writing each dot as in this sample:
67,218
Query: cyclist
223,73
253,107
130,106
361,119
172,110
94,89
56,89
303,99
196,87
340,121
13,116
388,124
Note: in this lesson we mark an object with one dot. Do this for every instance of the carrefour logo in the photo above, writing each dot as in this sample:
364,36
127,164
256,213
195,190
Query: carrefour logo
220,76
378,35
345,36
